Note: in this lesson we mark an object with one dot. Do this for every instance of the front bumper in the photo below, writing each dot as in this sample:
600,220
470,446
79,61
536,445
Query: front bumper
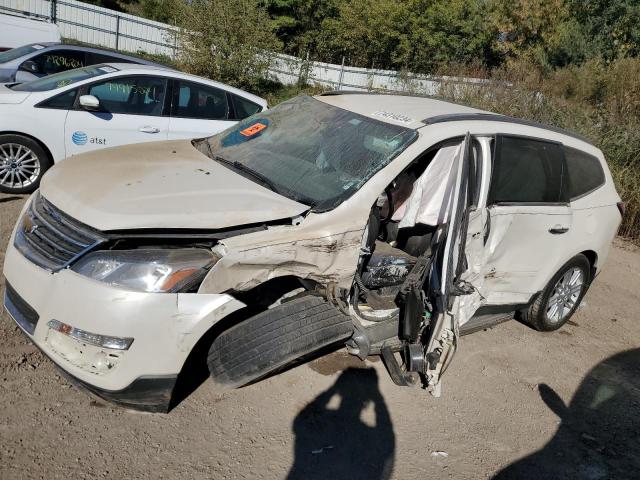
149,393
165,327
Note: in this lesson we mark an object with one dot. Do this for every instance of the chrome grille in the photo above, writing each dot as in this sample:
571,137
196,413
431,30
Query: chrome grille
50,238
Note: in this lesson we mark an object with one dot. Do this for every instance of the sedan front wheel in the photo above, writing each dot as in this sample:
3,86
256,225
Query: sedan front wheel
22,163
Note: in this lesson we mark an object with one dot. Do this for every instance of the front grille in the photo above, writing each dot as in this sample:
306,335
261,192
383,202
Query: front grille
21,311
50,238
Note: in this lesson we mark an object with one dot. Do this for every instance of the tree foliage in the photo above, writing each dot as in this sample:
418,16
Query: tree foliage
227,40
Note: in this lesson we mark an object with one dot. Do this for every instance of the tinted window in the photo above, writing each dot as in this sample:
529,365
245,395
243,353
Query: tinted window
94,58
527,171
54,61
18,52
132,95
63,101
585,172
243,107
192,100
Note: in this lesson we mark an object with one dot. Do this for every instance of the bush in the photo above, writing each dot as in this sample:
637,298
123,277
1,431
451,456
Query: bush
226,40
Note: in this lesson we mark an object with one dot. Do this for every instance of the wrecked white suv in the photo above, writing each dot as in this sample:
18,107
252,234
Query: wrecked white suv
391,224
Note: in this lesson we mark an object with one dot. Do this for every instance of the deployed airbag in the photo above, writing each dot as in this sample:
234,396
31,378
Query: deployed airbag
429,201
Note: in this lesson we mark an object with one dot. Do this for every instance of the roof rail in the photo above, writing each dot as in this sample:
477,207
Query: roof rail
332,93
494,117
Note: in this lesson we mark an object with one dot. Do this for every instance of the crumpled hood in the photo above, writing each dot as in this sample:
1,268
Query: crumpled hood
160,185
8,96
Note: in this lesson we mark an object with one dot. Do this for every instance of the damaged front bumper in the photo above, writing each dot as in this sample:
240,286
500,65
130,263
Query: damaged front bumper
164,328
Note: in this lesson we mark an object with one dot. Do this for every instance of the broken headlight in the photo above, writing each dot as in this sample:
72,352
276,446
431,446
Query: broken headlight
148,270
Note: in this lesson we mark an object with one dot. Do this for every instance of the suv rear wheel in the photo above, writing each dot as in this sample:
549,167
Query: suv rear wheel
23,161
561,297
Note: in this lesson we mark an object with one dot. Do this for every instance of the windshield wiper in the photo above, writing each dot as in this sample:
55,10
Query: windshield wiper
244,169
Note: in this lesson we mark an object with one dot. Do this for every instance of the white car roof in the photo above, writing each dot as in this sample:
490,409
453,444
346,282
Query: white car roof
153,69
418,111
406,110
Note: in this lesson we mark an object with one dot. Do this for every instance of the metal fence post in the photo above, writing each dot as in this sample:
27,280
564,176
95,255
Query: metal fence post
54,11
341,74
117,32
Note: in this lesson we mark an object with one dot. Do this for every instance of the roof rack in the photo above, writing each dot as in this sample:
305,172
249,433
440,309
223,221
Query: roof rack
494,117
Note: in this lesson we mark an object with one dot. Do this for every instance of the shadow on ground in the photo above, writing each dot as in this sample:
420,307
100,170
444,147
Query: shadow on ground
345,432
599,434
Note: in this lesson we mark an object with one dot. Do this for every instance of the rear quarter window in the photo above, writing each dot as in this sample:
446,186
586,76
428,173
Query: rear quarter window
585,172
244,108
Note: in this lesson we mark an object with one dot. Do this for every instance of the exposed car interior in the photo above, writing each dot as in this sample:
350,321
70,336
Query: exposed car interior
402,227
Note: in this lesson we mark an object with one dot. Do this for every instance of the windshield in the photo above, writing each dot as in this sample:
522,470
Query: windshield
308,150
62,79
19,52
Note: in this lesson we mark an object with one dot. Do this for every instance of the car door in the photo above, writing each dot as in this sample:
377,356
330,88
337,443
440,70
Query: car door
48,62
198,110
453,283
529,218
132,110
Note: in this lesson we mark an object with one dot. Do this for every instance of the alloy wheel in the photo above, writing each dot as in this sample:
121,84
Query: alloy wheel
565,295
19,166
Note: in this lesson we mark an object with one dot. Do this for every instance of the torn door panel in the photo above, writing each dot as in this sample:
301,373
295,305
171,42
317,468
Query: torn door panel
328,259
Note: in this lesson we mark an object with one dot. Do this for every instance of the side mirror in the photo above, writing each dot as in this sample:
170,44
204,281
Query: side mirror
89,102
30,66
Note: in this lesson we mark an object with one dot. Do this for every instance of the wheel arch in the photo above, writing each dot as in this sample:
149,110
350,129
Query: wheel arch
592,256
35,139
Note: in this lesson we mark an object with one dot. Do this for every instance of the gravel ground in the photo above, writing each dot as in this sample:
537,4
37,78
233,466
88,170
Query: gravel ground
516,404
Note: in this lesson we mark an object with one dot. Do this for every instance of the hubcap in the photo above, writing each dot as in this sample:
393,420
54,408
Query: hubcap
19,166
565,295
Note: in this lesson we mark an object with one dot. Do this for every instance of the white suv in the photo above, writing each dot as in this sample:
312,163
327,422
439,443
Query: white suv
391,224
107,105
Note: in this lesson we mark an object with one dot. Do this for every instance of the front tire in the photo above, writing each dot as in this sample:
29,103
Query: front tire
275,338
23,161
561,297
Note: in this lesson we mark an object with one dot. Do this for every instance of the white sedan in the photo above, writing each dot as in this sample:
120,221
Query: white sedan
101,106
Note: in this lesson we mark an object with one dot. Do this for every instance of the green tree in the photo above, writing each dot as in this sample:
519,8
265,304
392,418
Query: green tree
298,23
227,40
612,26
418,35
159,10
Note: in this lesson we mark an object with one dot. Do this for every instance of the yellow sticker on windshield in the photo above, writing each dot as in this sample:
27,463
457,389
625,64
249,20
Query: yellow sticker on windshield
253,129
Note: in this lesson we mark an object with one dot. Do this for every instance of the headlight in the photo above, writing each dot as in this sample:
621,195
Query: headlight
148,270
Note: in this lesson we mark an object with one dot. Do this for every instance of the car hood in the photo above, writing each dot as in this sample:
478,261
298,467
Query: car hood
11,96
160,185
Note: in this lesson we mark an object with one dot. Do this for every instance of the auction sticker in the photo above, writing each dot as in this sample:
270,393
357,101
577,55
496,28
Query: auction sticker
396,117
253,129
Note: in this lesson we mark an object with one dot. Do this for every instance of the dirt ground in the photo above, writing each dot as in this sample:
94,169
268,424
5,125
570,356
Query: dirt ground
516,404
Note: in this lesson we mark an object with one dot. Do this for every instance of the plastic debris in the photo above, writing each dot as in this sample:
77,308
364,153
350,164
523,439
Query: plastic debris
439,454
321,450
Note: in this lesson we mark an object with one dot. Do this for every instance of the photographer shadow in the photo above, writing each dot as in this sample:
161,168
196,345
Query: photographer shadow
598,437
345,432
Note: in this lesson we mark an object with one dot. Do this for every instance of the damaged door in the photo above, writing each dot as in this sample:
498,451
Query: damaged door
439,294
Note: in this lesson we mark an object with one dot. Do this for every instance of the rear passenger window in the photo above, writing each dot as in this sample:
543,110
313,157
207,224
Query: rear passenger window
192,100
527,171
54,61
243,107
585,172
